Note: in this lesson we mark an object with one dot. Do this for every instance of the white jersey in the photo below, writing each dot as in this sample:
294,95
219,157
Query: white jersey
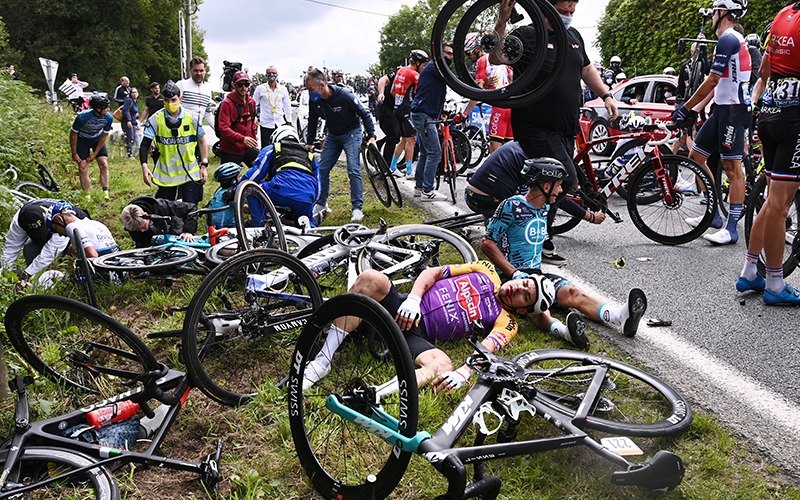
732,63
94,234
196,99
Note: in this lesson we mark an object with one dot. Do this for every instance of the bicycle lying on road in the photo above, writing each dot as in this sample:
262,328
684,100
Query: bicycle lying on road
82,350
356,428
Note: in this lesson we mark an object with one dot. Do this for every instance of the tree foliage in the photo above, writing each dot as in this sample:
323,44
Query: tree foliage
644,33
99,40
408,29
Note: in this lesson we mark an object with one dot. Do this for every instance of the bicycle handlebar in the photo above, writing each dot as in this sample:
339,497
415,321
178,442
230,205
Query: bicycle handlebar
667,128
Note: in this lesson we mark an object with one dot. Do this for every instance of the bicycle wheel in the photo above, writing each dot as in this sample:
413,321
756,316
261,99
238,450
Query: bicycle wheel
665,222
376,177
257,302
336,455
622,189
38,464
559,221
412,248
163,258
755,203
630,402
76,346
334,280
33,189
449,169
84,274
479,147
222,251
462,149
257,222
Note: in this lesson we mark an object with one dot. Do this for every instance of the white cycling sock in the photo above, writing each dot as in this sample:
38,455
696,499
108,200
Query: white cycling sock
750,269
333,340
775,281
614,316
559,329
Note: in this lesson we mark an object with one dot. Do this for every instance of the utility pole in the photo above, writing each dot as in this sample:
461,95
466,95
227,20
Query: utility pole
185,35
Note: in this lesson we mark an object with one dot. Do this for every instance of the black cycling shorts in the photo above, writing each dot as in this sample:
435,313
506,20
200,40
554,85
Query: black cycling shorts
83,147
723,132
416,337
780,143
403,120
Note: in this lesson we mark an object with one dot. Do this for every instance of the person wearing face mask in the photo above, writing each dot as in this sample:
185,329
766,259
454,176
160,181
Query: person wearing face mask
426,108
236,125
87,141
547,127
275,107
181,167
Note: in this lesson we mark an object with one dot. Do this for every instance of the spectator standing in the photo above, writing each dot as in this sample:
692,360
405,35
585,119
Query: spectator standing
179,173
274,105
130,121
342,111
385,114
154,101
196,94
74,89
122,91
87,141
337,78
237,123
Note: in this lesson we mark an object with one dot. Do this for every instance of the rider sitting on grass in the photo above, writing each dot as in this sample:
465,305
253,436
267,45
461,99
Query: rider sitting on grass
448,299
513,242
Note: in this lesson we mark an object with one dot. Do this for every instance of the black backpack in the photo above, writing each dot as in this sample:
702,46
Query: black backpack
239,114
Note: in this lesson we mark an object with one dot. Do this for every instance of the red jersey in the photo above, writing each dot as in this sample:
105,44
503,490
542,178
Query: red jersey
492,76
783,49
404,85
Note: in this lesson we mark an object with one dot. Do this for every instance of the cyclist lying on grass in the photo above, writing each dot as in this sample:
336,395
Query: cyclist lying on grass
513,242
136,220
447,299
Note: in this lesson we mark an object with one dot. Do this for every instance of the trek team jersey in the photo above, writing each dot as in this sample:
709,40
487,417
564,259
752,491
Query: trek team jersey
465,293
88,125
405,82
494,76
94,234
783,89
519,231
732,64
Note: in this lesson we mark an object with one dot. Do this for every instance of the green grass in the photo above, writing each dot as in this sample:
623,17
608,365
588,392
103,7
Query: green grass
259,459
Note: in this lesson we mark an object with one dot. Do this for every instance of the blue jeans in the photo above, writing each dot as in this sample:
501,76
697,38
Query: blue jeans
430,151
350,143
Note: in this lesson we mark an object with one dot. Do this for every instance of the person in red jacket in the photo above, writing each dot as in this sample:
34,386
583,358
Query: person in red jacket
237,125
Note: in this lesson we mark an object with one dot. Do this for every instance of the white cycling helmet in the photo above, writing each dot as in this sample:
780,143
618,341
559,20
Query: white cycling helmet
545,293
632,122
737,8
621,77
284,132
471,42
669,70
615,59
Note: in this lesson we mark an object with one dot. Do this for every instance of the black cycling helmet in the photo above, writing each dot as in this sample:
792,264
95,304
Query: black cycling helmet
170,89
227,172
753,40
539,170
98,101
418,55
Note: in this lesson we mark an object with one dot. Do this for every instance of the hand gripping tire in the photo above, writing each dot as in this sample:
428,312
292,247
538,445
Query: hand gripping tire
530,53
355,374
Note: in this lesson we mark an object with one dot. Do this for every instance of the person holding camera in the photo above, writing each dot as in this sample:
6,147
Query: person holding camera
237,123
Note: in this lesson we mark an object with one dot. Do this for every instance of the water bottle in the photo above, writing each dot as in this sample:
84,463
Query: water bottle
117,412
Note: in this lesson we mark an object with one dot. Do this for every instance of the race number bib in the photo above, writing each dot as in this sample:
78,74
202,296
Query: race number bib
782,93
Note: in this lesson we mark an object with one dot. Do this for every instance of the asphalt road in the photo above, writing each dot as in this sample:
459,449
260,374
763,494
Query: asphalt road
738,360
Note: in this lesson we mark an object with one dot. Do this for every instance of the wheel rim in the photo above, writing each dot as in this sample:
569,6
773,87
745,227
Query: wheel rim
599,131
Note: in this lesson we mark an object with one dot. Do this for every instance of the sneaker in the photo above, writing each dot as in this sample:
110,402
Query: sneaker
106,195
552,257
758,284
576,327
789,296
398,173
433,195
358,215
695,221
636,306
321,208
410,175
417,192
722,237
686,186
314,372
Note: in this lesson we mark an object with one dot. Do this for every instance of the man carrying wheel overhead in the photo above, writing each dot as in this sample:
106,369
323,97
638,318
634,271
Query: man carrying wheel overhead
447,300
777,93
547,127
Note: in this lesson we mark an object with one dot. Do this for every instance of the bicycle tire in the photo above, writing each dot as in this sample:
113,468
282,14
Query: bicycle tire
424,238
64,340
254,326
449,169
755,203
518,93
40,463
462,149
84,274
270,230
314,427
158,259
558,220
622,189
219,253
479,147
655,218
377,178
33,189
659,411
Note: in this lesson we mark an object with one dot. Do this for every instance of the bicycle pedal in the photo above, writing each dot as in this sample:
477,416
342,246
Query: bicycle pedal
615,217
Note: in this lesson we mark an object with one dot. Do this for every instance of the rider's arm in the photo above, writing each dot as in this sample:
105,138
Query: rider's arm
382,81
493,253
15,242
503,14
426,280
763,75
73,144
705,88
287,106
54,246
